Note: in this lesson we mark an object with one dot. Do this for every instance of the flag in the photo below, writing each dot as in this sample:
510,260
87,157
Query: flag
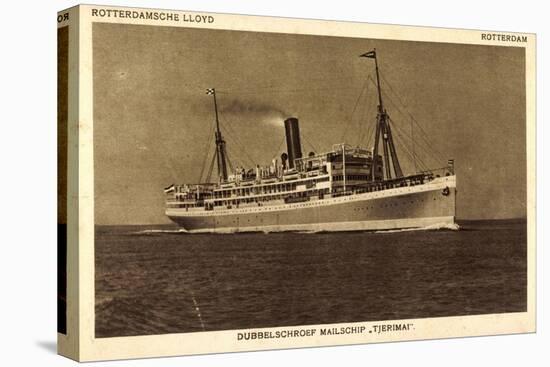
210,91
370,54
169,189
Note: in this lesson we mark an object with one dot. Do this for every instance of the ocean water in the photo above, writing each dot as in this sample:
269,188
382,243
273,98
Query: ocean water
157,280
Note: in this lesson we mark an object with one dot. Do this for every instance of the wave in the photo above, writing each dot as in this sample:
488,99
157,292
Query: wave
155,231
431,227
103,301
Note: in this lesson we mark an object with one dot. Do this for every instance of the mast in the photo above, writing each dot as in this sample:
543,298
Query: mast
220,143
383,130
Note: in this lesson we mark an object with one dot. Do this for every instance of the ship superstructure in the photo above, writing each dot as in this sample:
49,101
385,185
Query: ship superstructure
344,188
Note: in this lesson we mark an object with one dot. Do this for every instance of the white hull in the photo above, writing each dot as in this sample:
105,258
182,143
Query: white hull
430,204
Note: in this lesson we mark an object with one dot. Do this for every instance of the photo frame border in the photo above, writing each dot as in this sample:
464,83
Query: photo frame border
80,339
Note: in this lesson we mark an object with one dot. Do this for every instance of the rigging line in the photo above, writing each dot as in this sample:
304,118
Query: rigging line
361,114
434,151
229,139
421,162
238,157
309,142
423,168
364,115
401,134
427,151
210,169
392,102
371,127
403,144
404,147
204,164
230,133
279,148
402,130
234,158
229,161
404,133
239,161
363,120
370,137
207,146
424,136
400,100
240,145
427,147
350,122
406,113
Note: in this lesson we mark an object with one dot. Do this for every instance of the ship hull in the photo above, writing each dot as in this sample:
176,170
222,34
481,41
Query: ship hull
430,204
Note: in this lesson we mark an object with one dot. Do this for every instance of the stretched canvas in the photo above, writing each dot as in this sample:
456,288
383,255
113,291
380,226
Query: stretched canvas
235,183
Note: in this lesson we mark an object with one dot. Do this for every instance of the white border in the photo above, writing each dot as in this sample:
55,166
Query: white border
29,132
198,343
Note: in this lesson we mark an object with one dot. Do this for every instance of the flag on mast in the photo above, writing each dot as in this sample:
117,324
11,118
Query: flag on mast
370,54
210,91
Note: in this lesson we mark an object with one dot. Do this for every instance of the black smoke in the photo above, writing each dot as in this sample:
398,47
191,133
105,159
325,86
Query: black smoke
253,108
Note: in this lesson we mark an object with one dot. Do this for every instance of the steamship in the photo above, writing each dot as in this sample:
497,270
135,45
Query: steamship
343,189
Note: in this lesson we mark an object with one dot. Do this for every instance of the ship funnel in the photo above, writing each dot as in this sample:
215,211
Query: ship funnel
292,130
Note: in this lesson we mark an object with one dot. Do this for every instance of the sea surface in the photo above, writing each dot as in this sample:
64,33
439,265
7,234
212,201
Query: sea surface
157,280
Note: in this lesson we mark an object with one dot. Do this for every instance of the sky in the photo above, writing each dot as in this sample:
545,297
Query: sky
153,122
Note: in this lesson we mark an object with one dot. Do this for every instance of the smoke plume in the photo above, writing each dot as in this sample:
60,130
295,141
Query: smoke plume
260,112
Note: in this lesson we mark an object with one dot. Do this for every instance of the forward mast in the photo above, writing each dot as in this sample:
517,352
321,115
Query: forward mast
383,130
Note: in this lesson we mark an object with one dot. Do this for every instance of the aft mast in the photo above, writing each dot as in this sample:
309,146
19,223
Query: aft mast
220,143
383,129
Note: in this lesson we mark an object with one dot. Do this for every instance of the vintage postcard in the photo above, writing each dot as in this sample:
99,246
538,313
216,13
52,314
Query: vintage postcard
237,183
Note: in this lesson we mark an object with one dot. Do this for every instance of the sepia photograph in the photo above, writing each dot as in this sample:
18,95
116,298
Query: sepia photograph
274,183
248,180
